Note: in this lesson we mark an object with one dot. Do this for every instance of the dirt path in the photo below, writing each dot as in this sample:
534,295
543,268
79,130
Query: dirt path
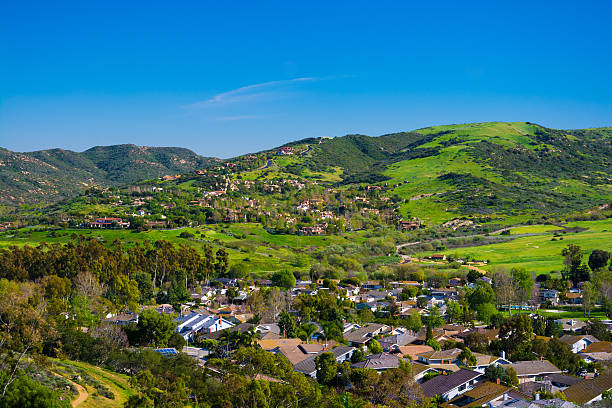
83,394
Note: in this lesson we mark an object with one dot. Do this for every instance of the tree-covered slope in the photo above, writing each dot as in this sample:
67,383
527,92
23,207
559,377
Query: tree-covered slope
49,175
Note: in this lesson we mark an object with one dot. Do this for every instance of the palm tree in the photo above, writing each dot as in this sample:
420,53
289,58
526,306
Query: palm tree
309,329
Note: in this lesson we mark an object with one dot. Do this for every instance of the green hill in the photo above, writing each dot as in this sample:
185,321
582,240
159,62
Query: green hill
47,176
492,170
495,172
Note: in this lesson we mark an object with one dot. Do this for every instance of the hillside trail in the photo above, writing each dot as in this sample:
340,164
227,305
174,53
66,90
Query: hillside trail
83,393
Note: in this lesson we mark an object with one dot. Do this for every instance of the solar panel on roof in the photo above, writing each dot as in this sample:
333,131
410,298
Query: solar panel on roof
167,352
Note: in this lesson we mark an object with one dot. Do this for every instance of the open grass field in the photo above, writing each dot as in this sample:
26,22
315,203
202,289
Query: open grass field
540,253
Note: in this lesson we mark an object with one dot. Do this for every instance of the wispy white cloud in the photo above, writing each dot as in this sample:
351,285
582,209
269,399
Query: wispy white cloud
238,117
248,92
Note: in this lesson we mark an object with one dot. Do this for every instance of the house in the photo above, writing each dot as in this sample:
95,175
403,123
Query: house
449,386
601,357
375,284
561,381
454,282
438,257
122,319
549,295
308,365
573,298
521,403
528,371
108,223
599,347
379,362
484,394
578,343
571,325
363,335
412,351
394,341
421,370
274,345
484,360
588,391
188,326
439,356
485,279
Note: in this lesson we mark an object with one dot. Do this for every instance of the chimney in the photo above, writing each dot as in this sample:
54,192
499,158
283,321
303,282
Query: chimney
537,396
498,381
503,354
506,398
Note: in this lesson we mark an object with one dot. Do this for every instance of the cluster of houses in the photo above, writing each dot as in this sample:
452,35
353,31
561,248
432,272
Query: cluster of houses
439,373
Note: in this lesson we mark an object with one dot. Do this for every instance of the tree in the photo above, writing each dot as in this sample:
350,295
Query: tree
287,324
573,260
515,335
145,286
434,318
177,292
598,259
503,288
25,392
327,367
358,356
476,341
284,279
467,357
454,311
309,329
486,311
495,372
152,329
375,347
589,297
23,325
523,282
473,276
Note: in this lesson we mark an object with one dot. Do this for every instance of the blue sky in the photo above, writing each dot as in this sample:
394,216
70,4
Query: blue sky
225,78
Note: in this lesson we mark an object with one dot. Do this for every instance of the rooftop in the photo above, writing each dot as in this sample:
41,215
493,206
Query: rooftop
586,390
442,384
536,367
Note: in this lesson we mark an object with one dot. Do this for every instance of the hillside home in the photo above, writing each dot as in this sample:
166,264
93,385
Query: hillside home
188,326
578,343
571,325
308,365
439,356
484,360
379,362
106,222
528,371
588,391
363,335
449,386
485,394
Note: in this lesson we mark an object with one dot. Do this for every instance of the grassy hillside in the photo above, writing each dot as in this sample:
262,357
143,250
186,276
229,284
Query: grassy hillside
49,175
539,253
94,386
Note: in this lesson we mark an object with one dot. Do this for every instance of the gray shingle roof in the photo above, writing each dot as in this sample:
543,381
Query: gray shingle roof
442,384
536,367
380,361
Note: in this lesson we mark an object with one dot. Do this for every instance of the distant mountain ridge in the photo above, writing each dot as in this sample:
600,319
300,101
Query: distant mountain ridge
490,170
46,176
